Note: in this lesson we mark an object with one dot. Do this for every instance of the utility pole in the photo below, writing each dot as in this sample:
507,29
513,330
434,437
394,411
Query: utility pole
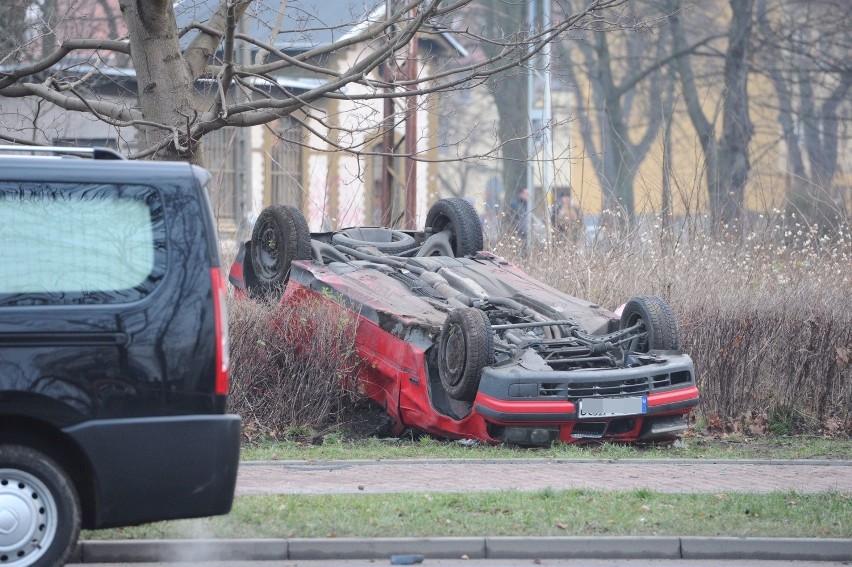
387,180
411,136
243,190
539,112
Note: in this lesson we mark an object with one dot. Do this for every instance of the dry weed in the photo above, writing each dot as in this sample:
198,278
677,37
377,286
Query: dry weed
291,365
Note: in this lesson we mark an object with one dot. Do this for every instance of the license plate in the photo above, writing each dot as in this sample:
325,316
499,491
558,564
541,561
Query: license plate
612,407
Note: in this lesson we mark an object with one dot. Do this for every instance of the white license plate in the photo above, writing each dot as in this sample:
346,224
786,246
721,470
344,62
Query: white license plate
611,407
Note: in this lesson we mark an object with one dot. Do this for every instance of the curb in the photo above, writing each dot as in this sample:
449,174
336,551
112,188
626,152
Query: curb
714,548
337,465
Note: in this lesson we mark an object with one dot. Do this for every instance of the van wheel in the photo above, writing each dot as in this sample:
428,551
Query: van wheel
39,509
466,347
280,236
660,323
460,217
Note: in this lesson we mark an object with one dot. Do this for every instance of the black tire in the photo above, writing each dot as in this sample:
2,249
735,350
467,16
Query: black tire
38,497
280,236
466,347
385,240
460,217
660,322
253,288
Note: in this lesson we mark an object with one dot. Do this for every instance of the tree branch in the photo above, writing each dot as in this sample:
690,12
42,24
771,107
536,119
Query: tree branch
11,77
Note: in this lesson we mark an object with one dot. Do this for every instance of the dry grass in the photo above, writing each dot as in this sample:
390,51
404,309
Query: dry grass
766,316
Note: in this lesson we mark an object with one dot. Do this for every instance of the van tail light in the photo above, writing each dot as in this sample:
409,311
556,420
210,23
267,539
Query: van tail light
220,310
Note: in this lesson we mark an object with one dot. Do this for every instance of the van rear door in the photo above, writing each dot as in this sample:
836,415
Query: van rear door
75,256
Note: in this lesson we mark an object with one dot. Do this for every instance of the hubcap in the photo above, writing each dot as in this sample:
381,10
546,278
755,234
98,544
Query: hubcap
28,518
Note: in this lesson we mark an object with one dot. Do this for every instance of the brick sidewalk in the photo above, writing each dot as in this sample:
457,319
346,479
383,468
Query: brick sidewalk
347,477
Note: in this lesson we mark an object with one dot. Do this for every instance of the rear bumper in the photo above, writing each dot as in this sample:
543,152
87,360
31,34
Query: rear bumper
160,468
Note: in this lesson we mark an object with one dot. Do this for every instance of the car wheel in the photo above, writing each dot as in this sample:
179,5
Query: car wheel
39,509
385,240
252,285
660,324
280,236
466,347
460,217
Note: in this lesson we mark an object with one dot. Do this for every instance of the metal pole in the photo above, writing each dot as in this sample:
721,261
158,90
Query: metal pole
546,117
387,159
531,83
387,135
243,190
411,136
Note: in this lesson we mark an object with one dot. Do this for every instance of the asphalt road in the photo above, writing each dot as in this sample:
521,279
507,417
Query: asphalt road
494,563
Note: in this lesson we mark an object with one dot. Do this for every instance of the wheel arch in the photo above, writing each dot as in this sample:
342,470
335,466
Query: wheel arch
47,437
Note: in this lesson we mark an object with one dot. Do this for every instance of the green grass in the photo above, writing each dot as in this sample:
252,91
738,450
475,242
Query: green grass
690,448
546,512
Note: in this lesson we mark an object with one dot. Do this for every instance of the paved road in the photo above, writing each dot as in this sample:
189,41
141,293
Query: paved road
493,563
352,477
341,477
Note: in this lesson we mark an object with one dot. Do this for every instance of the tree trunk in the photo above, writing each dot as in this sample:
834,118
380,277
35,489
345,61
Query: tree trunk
165,82
618,190
13,27
737,128
510,95
703,126
509,90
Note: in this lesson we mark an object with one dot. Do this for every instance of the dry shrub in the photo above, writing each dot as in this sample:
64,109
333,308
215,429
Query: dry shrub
766,316
291,366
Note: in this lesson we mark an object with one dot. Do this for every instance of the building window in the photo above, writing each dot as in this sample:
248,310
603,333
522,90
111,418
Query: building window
386,210
221,161
285,164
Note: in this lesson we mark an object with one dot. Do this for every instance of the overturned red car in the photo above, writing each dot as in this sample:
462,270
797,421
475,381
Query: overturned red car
460,343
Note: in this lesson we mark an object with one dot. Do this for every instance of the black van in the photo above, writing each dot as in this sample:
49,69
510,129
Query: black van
113,350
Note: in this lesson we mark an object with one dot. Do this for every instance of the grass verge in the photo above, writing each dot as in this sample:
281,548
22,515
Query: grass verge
513,513
334,448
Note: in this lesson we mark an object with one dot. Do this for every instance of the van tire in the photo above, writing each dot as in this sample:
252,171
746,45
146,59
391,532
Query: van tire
44,501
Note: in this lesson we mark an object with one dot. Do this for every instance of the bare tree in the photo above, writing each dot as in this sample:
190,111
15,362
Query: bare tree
172,118
621,94
500,22
804,50
726,157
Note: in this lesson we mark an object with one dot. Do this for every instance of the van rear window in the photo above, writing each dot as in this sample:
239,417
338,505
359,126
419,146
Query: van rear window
64,243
